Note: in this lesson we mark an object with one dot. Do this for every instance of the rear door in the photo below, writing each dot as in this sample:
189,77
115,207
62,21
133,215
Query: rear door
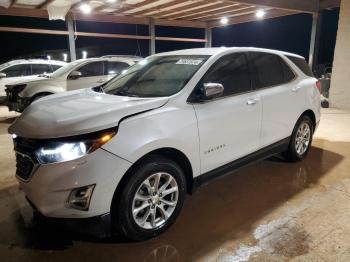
92,75
229,126
282,99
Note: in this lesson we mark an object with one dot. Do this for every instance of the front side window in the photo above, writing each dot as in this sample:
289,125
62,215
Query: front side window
232,72
115,68
17,70
92,69
156,76
38,69
269,70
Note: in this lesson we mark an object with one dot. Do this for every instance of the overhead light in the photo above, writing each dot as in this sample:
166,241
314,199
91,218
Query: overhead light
111,1
85,8
65,57
48,57
224,20
260,14
84,53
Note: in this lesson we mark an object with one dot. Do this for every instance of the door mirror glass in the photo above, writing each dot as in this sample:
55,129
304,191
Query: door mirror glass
212,90
2,75
74,75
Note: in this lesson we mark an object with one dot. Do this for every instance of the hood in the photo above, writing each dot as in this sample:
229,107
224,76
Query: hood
28,80
78,112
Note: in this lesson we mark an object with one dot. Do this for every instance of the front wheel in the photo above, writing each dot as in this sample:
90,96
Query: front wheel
301,139
151,200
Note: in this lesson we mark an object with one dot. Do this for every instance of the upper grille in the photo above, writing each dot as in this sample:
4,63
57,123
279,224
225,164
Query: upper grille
25,160
24,166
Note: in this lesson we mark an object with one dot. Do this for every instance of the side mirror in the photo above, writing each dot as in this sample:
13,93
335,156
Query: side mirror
74,75
2,75
212,90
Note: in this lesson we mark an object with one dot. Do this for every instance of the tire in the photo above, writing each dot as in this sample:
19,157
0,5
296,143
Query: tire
296,153
137,223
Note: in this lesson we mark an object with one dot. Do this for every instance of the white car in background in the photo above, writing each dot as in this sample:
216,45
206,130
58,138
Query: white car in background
125,155
25,70
83,73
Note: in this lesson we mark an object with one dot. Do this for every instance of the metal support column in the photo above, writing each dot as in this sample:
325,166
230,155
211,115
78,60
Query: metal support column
208,37
315,39
71,39
152,34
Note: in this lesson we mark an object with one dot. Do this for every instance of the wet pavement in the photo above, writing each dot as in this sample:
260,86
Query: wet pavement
269,211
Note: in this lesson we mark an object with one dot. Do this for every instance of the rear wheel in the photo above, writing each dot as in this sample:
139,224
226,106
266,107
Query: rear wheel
151,200
301,139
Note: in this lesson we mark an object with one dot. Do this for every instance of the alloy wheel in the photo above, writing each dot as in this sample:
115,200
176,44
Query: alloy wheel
302,139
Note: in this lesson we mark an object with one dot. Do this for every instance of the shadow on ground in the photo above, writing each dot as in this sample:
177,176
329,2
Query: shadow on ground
224,209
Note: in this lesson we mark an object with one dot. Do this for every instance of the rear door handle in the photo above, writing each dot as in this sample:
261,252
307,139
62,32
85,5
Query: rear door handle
252,101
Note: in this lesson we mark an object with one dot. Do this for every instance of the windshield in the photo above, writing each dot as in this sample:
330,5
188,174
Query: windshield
155,76
65,69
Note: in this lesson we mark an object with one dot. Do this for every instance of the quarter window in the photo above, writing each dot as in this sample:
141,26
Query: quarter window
303,66
269,70
92,69
232,72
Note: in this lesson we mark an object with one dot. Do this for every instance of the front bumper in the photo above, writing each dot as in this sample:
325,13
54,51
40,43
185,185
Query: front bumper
49,186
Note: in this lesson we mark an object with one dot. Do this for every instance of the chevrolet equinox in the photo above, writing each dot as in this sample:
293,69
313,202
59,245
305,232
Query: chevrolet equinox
122,156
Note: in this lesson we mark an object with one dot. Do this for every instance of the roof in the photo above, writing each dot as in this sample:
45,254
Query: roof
186,13
42,61
218,50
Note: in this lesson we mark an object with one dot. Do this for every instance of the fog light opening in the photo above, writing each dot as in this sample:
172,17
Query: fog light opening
80,198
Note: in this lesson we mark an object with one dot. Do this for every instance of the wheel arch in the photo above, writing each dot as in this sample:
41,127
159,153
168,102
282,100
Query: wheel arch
170,153
310,114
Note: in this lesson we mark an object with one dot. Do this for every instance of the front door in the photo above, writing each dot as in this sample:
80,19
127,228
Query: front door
229,126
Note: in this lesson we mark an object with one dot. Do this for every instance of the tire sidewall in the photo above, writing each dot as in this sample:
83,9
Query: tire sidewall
292,149
127,223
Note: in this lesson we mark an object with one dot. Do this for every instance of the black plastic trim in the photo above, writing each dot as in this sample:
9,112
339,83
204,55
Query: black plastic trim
224,170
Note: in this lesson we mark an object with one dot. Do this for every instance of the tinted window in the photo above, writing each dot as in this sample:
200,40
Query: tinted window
303,66
269,70
55,67
17,70
115,68
232,72
38,69
92,69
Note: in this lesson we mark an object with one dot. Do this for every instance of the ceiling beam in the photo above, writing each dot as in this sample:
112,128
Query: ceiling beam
252,18
251,10
100,35
325,4
222,12
95,17
305,6
44,4
193,9
12,3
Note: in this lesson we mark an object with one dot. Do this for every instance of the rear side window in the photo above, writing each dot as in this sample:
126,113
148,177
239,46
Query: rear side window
232,72
302,65
269,70
38,69
115,68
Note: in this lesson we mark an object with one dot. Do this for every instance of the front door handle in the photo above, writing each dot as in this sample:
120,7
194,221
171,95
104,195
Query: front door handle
252,102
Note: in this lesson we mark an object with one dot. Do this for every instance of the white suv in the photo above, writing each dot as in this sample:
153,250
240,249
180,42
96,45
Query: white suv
127,154
25,70
83,73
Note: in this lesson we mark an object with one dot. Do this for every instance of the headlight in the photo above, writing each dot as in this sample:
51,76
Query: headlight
69,150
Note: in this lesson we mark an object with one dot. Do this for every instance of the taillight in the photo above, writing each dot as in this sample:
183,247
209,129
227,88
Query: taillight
318,85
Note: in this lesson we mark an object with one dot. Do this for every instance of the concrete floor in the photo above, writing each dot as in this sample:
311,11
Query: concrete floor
270,211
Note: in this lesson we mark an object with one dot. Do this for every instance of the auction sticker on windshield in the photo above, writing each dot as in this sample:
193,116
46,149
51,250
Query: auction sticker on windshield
189,61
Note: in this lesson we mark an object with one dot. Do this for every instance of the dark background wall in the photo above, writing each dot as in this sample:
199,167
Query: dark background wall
291,33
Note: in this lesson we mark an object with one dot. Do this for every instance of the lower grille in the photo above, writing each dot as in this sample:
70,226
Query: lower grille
24,166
